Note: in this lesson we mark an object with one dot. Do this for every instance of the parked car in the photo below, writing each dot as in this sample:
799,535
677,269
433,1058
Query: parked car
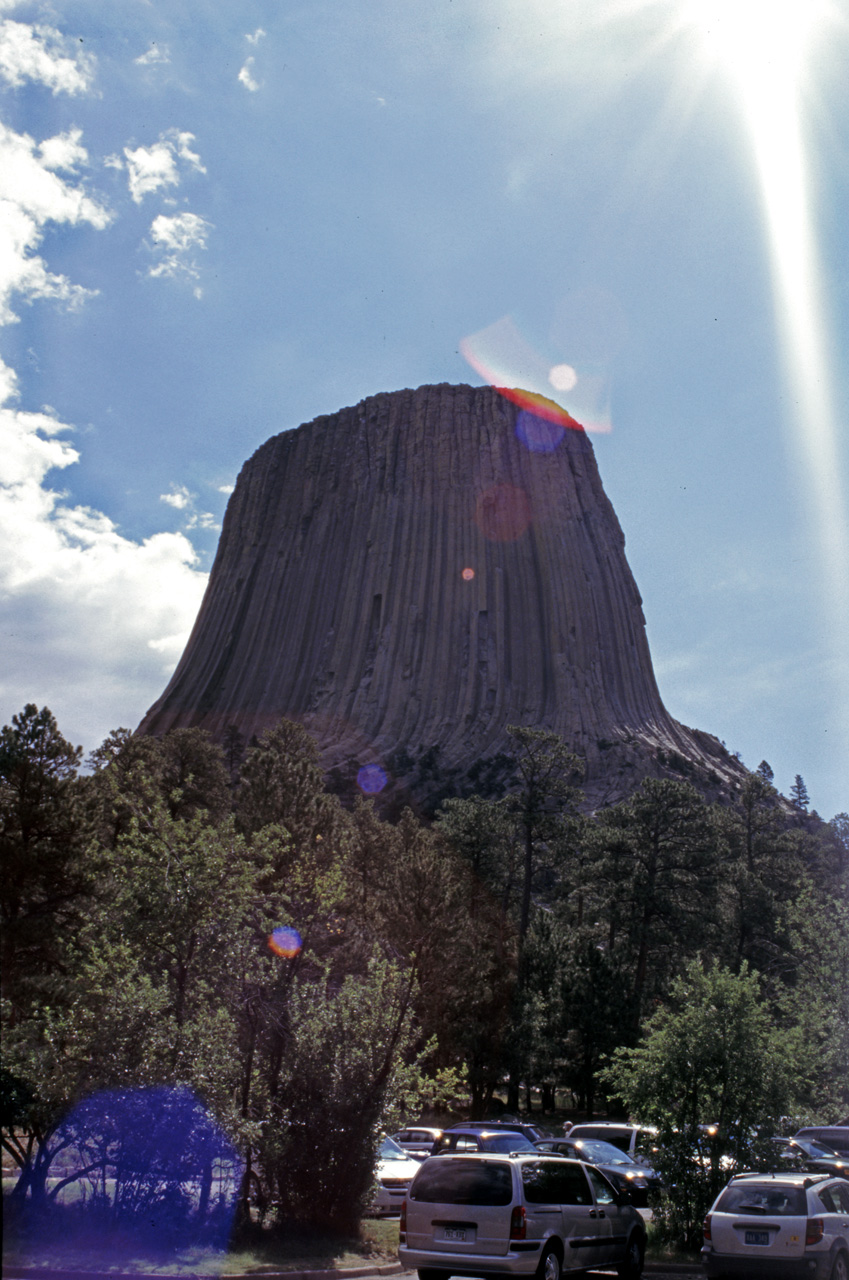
504,1140
638,1179
531,1131
395,1172
517,1215
637,1141
833,1135
786,1226
417,1141
816,1157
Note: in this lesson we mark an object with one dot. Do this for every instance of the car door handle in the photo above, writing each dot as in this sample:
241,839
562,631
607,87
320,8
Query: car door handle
596,1213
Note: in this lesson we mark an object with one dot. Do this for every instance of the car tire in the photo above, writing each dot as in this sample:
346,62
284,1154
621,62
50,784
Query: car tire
631,1266
550,1264
840,1270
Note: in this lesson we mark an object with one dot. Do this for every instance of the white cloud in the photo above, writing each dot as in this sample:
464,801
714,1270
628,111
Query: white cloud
151,168
246,76
179,497
226,488
31,195
93,621
175,236
38,53
255,36
202,520
154,56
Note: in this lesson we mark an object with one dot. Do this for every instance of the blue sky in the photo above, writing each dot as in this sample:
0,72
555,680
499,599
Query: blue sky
223,220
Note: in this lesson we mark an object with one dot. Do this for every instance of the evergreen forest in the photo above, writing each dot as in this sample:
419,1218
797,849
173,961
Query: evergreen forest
212,919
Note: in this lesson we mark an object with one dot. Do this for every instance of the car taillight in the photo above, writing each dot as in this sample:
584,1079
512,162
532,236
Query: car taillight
706,1228
814,1230
402,1226
518,1223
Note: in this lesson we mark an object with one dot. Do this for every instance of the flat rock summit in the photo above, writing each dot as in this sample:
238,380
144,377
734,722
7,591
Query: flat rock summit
418,572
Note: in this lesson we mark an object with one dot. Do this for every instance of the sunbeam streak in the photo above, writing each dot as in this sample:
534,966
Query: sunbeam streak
764,44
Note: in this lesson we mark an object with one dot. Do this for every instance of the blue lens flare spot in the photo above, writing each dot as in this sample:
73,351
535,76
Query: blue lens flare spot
540,435
371,779
285,942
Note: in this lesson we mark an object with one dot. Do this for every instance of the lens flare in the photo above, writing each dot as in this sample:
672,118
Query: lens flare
563,377
371,779
467,575
508,362
540,435
285,942
763,45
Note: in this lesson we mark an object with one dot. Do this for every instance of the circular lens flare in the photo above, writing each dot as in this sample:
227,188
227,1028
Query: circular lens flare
467,575
285,942
563,377
540,435
371,779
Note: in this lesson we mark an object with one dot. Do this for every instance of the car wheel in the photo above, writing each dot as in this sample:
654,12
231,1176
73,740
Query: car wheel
550,1265
631,1266
840,1270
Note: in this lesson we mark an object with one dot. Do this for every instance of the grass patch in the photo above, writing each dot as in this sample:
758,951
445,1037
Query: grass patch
292,1249
659,1249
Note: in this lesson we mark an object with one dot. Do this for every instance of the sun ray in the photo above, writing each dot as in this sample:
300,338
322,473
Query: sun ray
764,45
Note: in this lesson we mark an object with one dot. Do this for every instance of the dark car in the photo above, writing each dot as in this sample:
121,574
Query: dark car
624,1173
816,1157
835,1136
531,1131
639,1142
459,1141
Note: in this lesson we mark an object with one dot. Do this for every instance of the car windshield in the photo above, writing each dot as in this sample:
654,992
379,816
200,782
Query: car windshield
599,1152
389,1150
762,1198
812,1148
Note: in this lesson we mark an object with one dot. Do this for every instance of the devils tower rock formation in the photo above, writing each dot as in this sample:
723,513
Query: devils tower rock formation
423,570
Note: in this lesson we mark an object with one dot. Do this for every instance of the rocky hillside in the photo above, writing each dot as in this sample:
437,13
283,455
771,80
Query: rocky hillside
423,570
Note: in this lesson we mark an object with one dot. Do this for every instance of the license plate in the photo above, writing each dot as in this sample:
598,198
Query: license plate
757,1237
455,1233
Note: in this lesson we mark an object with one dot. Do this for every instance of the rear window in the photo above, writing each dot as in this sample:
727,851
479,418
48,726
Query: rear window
463,1182
763,1198
555,1182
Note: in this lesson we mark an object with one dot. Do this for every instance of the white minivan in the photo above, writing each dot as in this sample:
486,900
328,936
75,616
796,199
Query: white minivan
482,1215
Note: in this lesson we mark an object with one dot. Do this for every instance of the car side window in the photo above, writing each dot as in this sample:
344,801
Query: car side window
840,1196
827,1200
601,1188
555,1182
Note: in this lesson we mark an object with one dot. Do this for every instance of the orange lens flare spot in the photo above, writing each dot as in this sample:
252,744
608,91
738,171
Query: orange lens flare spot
467,575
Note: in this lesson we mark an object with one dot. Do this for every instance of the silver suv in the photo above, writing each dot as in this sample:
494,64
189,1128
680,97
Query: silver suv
478,1215
786,1226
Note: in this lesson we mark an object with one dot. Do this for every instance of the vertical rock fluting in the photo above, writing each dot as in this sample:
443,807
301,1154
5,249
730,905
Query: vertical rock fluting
408,573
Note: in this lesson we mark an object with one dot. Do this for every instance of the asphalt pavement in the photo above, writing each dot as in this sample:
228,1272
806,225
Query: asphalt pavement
666,1270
